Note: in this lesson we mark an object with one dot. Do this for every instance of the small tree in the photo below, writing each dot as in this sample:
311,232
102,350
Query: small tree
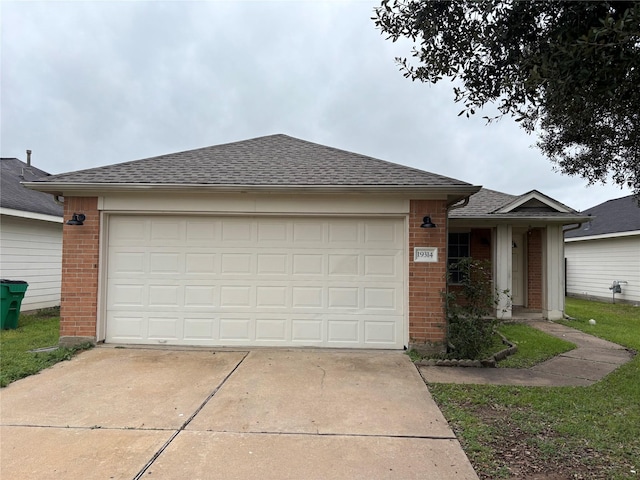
470,310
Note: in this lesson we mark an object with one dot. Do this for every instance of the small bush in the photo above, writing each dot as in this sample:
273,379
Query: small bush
471,311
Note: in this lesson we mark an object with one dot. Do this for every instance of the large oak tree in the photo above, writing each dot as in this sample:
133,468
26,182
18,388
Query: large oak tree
568,70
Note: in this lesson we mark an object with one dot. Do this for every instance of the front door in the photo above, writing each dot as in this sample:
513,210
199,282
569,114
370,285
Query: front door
517,254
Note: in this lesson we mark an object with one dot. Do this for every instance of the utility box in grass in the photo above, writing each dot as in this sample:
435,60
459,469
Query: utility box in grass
12,293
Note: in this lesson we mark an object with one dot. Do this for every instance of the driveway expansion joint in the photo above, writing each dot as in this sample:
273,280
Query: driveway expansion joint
146,467
331,434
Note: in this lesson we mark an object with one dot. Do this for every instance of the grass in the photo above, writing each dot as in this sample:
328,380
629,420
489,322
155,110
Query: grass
580,432
39,330
533,345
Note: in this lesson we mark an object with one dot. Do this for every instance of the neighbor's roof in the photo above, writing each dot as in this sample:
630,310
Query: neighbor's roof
273,161
15,196
613,216
494,205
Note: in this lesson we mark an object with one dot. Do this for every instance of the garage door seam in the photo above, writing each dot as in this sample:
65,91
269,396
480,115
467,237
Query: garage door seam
188,421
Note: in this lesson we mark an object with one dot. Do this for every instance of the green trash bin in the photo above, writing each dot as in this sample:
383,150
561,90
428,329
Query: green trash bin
11,299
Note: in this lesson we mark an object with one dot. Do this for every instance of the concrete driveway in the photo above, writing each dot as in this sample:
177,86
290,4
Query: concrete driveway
114,413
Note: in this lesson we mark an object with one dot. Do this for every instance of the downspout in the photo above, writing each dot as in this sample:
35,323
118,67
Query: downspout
56,198
578,225
453,206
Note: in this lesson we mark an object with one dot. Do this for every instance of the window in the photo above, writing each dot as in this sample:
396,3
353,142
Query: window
457,250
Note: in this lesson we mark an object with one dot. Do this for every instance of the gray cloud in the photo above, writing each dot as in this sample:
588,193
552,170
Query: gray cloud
92,83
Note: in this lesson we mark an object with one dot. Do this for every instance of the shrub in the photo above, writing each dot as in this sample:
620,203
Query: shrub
470,310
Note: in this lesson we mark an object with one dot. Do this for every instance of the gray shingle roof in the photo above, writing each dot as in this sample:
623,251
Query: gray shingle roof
612,216
275,160
486,203
483,203
17,197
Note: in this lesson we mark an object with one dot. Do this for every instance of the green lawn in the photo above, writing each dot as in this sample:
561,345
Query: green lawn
570,432
35,331
533,345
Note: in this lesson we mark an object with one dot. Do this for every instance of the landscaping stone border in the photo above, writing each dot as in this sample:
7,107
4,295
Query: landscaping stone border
491,362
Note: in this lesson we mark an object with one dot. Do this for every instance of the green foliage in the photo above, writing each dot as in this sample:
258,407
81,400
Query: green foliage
470,311
534,346
39,330
567,69
579,432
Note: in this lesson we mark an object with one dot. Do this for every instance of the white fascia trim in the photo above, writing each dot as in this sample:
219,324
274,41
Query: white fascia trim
630,233
535,195
519,220
95,189
30,215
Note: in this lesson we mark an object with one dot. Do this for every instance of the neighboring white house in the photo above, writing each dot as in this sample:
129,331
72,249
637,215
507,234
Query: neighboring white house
30,235
605,250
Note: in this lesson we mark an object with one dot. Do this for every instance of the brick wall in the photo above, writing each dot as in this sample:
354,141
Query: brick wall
427,280
534,263
80,250
480,244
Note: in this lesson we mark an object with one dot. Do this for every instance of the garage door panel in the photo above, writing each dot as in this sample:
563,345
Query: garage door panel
127,295
380,332
196,296
127,327
236,230
271,296
344,234
236,296
128,231
344,331
307,331
127,262
164,329
273,232
272,330
201,263
236,263
381,265
200,330
236,329
309,233
308,264
164,231
265,281
202,231
307,297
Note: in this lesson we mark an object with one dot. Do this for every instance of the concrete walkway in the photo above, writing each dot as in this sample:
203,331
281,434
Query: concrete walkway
113,413
591,361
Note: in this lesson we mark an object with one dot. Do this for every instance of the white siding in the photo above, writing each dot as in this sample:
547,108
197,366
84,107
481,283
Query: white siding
593,265
31,250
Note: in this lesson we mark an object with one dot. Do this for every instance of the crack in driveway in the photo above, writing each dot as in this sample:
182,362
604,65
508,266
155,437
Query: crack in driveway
188,421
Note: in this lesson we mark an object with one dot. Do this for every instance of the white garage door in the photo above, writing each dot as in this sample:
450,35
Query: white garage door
268,281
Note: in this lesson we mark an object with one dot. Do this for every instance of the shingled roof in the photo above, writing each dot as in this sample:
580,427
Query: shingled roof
613,216
491,204
275,160
15,196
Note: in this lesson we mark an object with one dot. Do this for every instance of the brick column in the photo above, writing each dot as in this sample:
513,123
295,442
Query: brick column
80,253
427,281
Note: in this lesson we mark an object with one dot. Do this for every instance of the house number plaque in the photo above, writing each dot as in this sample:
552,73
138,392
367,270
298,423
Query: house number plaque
425,254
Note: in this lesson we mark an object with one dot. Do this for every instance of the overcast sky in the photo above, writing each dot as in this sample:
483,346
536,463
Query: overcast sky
86,84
